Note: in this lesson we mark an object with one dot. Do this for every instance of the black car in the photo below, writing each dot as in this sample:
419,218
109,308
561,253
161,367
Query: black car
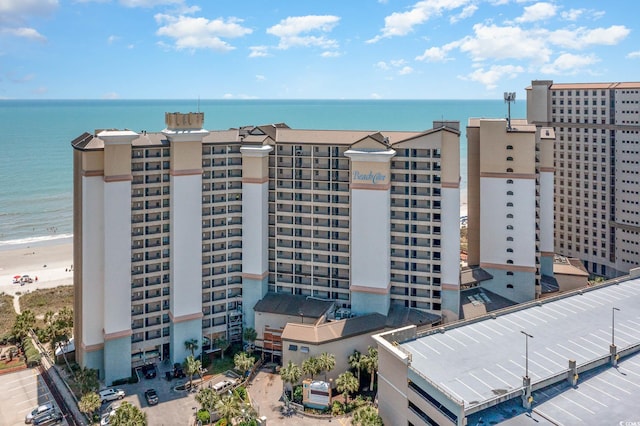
149,371
151,396
178,373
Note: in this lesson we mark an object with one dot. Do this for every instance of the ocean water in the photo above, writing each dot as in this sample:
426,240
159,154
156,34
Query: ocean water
36,156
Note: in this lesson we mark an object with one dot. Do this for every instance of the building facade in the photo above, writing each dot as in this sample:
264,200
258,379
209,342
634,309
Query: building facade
178,234
597,161
510,200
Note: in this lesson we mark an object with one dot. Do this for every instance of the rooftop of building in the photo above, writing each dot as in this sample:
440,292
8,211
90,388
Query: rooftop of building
398,316
595,85
270,134
478,362
568,266
477,301
293,305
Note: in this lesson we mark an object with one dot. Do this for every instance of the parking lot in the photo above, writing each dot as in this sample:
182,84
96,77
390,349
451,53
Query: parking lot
21,392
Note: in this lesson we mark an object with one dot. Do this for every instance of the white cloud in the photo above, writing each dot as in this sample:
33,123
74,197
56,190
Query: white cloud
467,12
382,65
293,31
490,77
580,38
568,63
112,39
330,54
402,23
111,95
260,77
26,8
149,3
438,54
405,70
23,32
259,51
572,14
633,55
509,42
375,96
200,33
537,12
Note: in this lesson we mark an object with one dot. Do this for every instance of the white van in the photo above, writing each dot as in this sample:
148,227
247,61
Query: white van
223,386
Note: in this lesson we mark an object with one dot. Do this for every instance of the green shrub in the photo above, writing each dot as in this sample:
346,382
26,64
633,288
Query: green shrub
297,394
124,381
337,408
203,416
242,392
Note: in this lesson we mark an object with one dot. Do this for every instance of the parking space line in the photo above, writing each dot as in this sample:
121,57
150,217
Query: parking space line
497,377
588,397
518,326
550,360
466,335
531,315
586,349
520,317
428,347
470,388
568,412
510,372
448,389
608,383
561,355
542,311
482,381
497,322
475,329
538,364
555,311
444,344
625,326
455,340
566,398
563,304
531,373
601,338
489,328
600,390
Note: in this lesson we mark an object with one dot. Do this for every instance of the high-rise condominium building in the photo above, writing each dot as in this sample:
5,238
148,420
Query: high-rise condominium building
510,199
178,234
597,170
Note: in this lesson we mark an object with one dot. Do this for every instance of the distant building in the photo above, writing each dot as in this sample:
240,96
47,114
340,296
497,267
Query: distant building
597,161
179,234
510,201
545,362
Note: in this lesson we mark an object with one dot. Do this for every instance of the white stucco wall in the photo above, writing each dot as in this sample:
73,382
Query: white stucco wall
450,230
370,234
493,217
255,228
92,259
546,211
117,256
186,245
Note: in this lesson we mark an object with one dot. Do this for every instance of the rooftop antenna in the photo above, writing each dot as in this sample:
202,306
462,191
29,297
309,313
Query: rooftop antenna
508,98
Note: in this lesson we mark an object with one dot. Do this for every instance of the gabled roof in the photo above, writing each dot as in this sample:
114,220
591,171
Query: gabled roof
293,305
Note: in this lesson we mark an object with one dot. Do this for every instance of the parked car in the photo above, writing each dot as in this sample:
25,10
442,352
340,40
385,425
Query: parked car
48,418
111,395
37,411
105,420
151,396
149,371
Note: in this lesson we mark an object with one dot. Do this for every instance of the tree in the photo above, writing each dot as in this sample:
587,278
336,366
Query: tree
370,363
87,379
191,345
250,335
347,383
191,367
310,367
290,374
228,407
23,324
128,415
89,403
354,362
367,416
223,344
326,363
207,399
59,329
243,362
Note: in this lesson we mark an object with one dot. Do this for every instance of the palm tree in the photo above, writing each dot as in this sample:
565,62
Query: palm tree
207,399
310,367
223,344
228,407
89,403
290,374
23,324
191,367
326,363
370,363
347,383
367,416
87,379
354,362
191,345
128,415
243,362
250,335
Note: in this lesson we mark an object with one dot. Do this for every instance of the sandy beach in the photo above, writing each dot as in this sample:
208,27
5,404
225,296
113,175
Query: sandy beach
51,262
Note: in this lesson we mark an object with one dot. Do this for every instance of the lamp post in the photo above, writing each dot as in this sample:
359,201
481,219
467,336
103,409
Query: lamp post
613,325
526,346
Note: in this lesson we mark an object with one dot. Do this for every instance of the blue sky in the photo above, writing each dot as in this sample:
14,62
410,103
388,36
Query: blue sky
329,49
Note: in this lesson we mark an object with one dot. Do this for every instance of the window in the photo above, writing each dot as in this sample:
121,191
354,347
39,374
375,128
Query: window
510,216
509,250
509,192
509,170
509,158
509,181
304,349
509,262
509,147
509,285
293,347
510,273
509,227
509,204
509,238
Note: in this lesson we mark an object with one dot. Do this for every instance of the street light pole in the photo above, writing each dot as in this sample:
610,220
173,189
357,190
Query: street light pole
613,325
526,346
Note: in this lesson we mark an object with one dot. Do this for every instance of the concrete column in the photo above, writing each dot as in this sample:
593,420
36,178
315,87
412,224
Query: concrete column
255,228
185,133
613,354
370,230
117,253
572,375
527,398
